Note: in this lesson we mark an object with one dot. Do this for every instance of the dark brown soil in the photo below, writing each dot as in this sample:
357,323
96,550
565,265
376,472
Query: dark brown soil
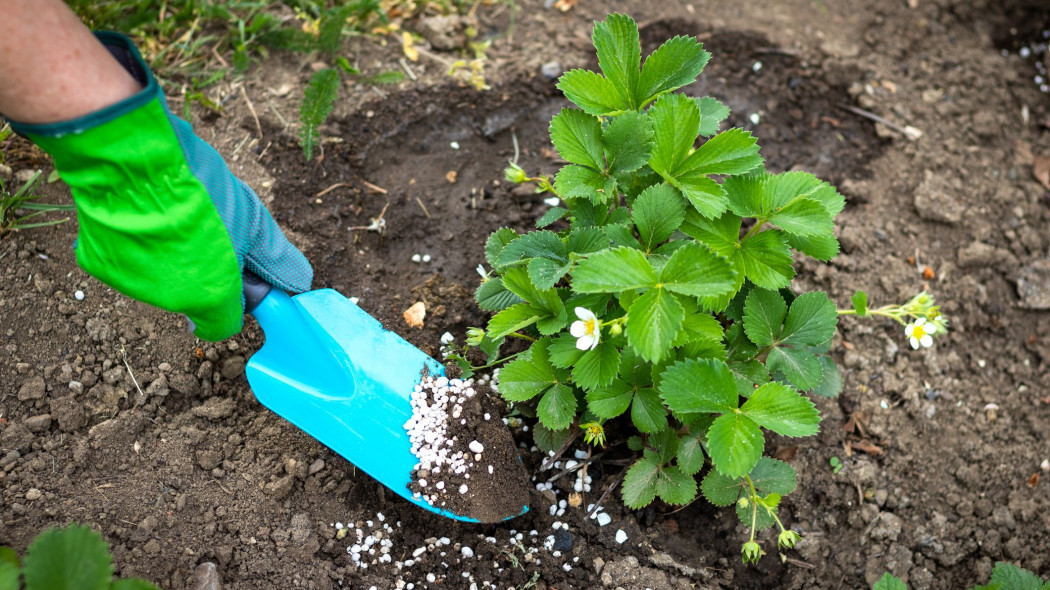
934,489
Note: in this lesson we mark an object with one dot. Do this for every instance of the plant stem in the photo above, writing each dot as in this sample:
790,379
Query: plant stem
522,336
754,507
754,230
496,362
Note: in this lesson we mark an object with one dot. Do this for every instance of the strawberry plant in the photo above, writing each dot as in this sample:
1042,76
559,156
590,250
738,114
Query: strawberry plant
663,297
74,557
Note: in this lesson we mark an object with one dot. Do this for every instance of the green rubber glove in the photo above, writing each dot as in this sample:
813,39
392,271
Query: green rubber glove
162,218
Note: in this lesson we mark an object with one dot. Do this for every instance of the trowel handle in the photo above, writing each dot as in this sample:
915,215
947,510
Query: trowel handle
255,290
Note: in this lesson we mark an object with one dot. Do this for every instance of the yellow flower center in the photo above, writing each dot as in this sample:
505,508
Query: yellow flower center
589,325
917,332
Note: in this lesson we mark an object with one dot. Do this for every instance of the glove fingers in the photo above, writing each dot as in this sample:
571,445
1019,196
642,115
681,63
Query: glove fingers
270,255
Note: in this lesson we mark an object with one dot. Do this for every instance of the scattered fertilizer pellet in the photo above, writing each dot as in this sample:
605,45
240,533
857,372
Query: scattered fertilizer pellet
476,447
79,295
603,518
454,145
447,338
621,536
467,552
416,258
552,201
754,118
427,258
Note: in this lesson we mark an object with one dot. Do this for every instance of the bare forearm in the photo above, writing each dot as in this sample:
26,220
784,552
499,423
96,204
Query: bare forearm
52,68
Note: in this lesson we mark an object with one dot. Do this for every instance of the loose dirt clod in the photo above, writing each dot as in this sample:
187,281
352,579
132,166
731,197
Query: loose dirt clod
467,465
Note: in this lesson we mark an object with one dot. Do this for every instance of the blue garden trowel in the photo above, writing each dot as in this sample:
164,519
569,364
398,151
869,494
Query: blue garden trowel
333,371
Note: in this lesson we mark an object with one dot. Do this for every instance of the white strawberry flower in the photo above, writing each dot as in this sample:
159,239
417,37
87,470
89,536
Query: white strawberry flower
586,329
921,333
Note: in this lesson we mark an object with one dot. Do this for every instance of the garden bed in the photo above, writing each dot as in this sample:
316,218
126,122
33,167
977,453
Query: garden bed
156,440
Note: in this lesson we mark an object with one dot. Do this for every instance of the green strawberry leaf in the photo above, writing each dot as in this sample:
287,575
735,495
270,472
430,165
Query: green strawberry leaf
712,113
1013,577
493,296
619,55
612,271
697,271
598,367
690,457
611,400
831,383
800,367
9,576
639,485
563,352
573,182
71,558
810,321
676,124
647,411
771,476
764,312
675,486
132,584
653,323
584,240
545,273
820,247
674,64
512,319
592,92
553,214
699,386
496,242
545,244
731,152
735,444
766,260
804,217
528,375
627,141
719,489
658,211
783,410
557,407
578,138
889,582
549,440
704,194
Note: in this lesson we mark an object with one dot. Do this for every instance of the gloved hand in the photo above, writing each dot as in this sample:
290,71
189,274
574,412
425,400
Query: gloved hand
162,218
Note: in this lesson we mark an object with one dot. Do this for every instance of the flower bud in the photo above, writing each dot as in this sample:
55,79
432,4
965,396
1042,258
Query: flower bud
752,552
616,329
788,539
514,173
475,336
743,503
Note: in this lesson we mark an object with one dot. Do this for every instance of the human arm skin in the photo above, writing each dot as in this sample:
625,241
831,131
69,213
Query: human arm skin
52,68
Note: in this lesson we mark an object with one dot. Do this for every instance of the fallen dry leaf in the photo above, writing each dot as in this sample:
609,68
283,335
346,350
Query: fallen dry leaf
415,314
866,447
1034,480
406,45
928,274
1041,170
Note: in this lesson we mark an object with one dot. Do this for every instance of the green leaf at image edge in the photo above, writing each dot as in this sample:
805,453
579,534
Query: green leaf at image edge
889,582
87,564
